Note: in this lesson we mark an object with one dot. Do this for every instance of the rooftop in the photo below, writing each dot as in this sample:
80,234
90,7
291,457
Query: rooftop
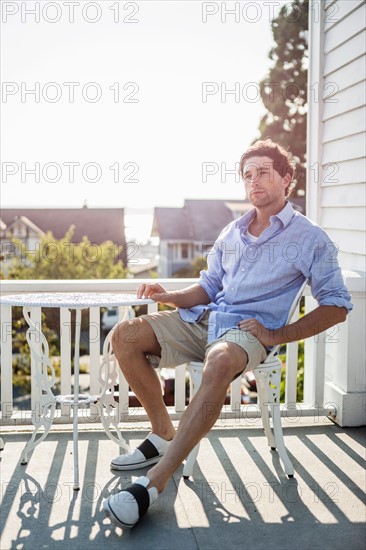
98,224
238,497
201,220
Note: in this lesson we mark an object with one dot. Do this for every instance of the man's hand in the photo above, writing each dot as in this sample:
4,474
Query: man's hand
316,321
187,297
156,292
263,334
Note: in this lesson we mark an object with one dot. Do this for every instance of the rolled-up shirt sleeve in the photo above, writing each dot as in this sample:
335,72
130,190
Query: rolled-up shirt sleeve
325,276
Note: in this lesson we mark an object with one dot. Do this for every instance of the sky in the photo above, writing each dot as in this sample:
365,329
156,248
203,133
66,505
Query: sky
129,104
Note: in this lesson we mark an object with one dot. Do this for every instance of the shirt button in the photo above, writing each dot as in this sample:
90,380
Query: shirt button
243,269
232,288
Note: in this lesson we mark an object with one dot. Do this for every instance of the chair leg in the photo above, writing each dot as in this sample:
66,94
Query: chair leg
263,398
268,384
280,444
190,462
195,372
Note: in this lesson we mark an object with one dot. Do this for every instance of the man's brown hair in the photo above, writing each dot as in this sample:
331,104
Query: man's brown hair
282,159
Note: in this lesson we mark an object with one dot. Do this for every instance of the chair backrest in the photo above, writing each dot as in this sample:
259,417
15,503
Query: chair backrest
292,310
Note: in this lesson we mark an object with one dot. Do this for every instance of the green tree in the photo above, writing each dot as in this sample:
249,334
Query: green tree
284,89
193,270
63,259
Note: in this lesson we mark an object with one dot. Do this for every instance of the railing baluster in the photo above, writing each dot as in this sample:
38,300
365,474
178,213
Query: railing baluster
235,394
6,362
123,403
94,351
151,308
314,363
65,352
36,317
180,388
292,354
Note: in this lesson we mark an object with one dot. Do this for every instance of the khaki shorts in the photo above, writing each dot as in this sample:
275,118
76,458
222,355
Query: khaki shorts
182,342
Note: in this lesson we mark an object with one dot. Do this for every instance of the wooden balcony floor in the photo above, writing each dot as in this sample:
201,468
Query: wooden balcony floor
238,497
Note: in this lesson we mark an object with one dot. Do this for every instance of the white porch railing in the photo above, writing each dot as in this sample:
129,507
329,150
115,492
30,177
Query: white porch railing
315,352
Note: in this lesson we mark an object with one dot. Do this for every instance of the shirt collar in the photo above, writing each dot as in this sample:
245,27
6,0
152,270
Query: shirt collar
284,216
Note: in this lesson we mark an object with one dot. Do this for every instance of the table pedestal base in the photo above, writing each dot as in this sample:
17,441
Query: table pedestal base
44,411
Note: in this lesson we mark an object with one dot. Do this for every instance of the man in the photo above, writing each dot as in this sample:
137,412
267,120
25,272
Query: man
229,320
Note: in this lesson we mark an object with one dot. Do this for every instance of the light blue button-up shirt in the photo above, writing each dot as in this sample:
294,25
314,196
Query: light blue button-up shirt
261,279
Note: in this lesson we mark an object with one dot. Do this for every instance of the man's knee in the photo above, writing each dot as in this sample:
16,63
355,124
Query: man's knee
125,336
224,363
135,336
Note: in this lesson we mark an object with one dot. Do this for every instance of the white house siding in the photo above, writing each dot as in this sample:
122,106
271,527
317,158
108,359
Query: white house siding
343,195
336,189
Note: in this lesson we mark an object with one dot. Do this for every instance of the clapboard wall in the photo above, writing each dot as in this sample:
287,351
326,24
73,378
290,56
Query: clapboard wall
336,197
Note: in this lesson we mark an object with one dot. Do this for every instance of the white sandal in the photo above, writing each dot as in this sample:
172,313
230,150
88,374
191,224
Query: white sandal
127,507
149,452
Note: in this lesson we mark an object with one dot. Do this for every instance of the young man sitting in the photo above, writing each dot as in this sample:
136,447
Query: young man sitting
228,320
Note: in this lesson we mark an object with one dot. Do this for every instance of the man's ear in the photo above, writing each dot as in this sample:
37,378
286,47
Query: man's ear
287,180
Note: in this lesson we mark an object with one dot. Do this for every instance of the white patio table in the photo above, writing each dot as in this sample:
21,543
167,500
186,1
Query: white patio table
45,374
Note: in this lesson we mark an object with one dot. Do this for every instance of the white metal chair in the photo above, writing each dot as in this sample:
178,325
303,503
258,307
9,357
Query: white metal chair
268,378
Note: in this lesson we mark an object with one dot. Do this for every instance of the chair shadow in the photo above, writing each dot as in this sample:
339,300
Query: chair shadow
249,494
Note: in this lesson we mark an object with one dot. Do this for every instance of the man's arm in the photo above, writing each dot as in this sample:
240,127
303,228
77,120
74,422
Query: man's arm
186,298
314,322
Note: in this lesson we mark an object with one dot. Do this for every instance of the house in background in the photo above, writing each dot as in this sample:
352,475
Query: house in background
188,233
30,224
22,229
336,192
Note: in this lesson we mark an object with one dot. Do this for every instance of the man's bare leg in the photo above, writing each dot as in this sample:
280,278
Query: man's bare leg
131,341
223,363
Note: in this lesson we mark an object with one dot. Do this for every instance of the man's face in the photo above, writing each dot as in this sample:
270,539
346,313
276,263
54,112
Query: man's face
264,186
